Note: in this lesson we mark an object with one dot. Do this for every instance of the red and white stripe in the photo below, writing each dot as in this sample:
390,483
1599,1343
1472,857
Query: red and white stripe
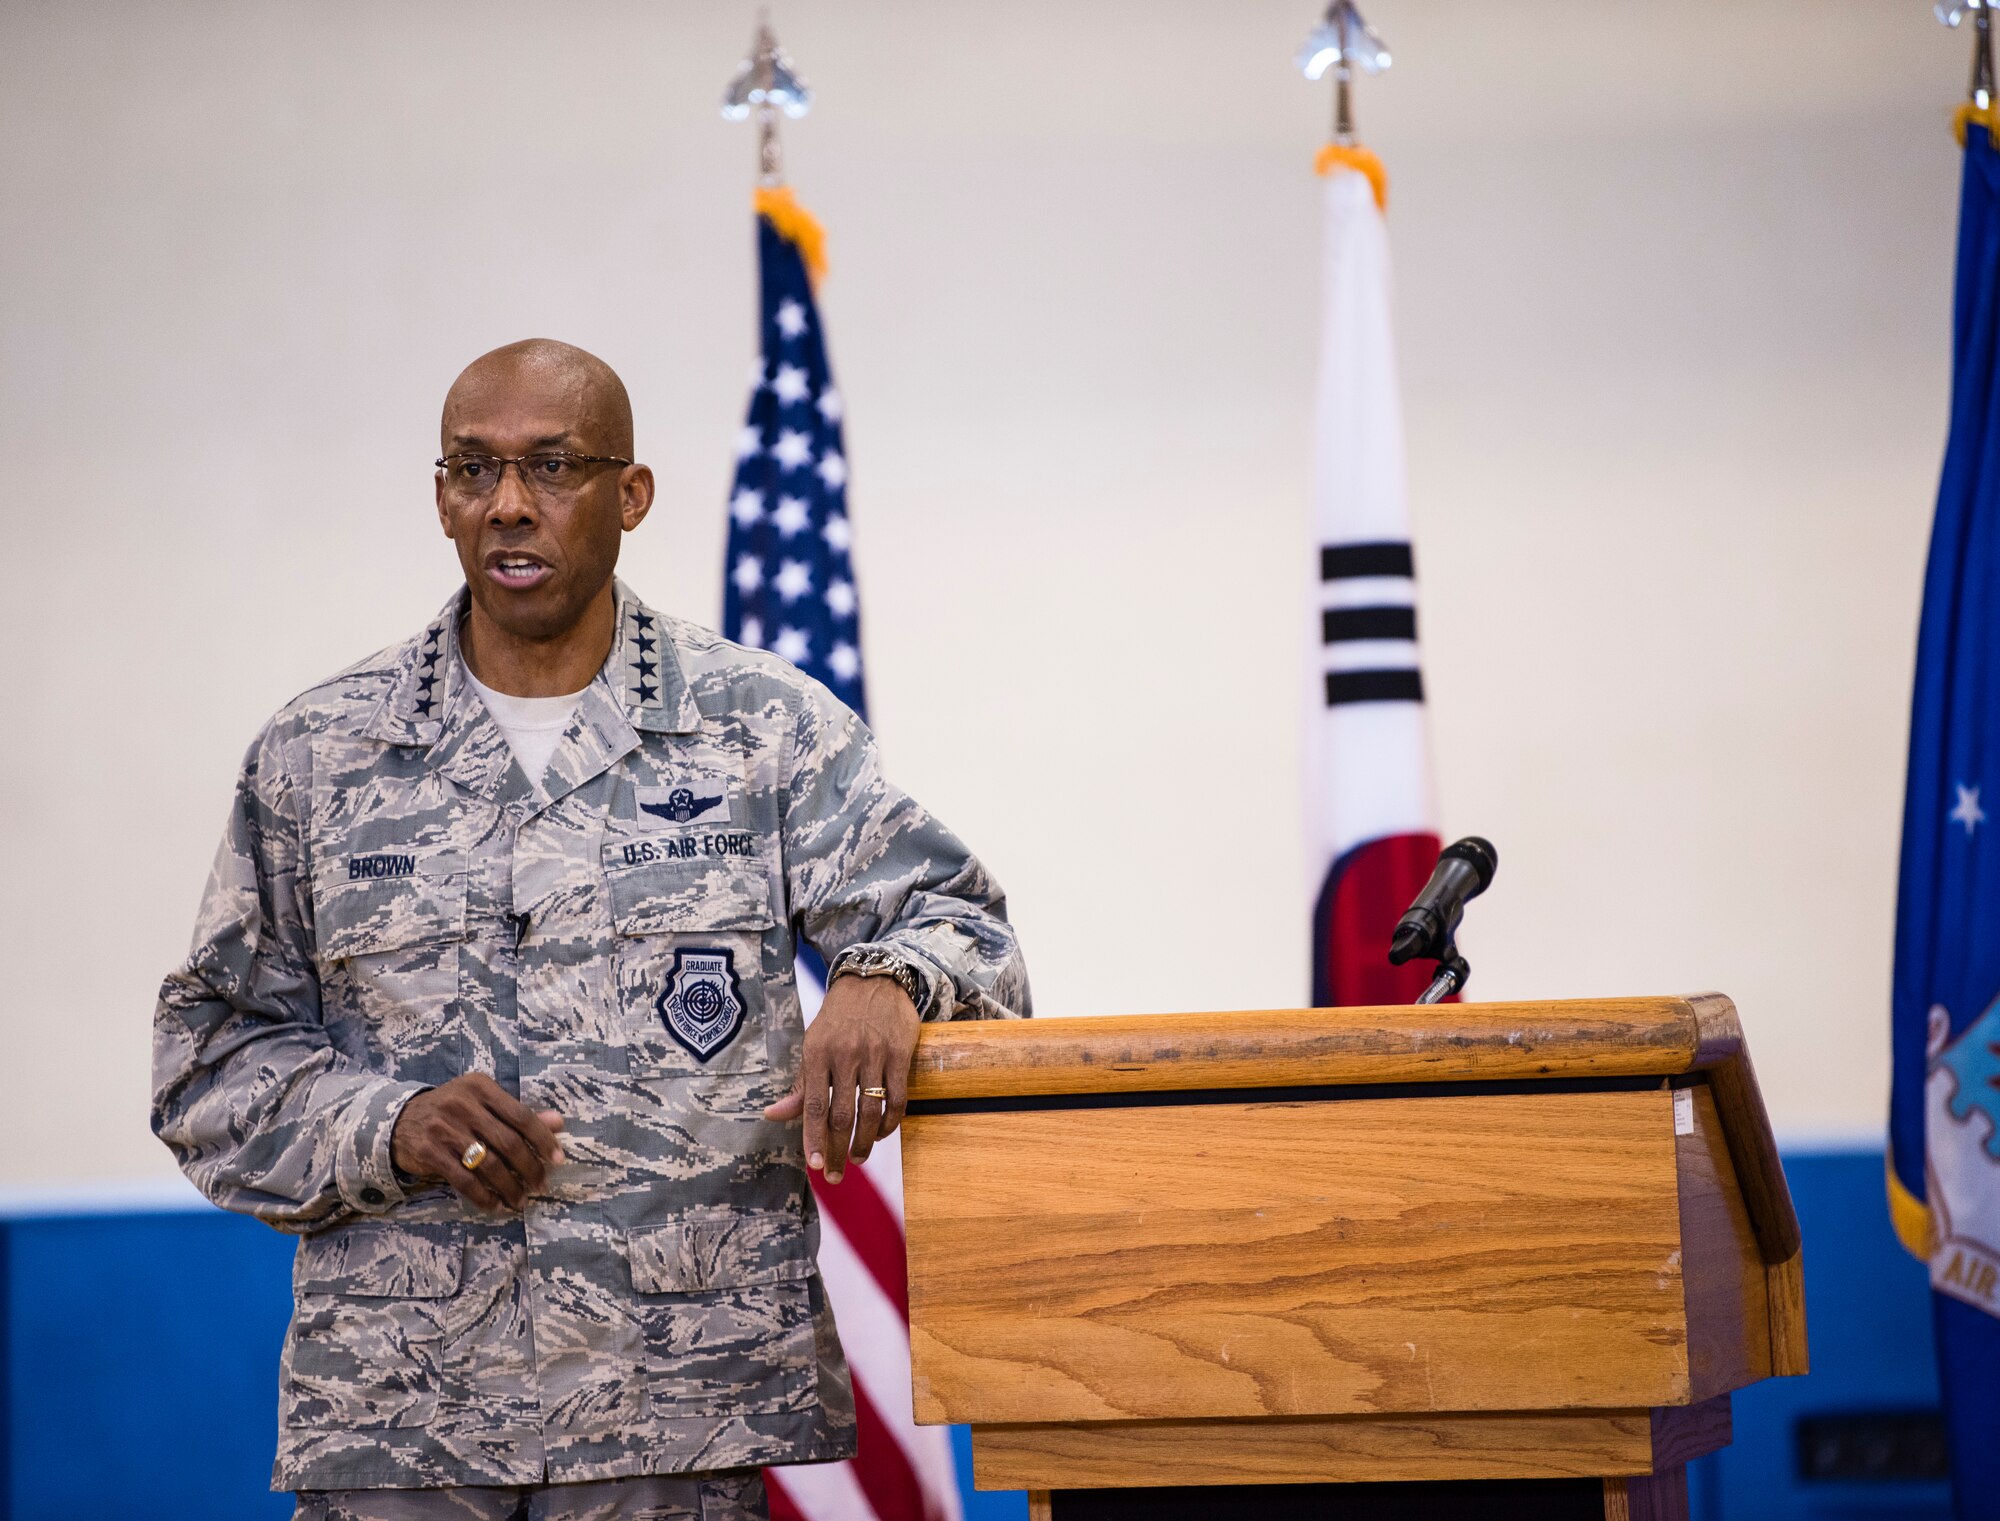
902,1471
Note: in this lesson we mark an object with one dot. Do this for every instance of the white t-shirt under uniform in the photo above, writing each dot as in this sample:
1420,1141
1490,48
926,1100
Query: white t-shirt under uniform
533,725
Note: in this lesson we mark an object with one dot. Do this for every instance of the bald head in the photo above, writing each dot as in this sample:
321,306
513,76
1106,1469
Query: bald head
562,388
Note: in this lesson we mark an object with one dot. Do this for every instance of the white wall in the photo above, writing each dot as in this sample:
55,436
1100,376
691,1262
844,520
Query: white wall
1673,297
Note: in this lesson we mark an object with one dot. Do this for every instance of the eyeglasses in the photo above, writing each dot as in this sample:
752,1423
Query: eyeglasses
550,473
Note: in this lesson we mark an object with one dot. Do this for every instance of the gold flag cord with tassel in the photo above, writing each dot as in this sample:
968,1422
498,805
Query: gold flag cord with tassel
795,224
1353,156
1970,115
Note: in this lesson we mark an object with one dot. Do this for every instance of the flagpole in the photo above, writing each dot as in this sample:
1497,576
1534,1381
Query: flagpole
789,588
1980,92
1982,57
770,150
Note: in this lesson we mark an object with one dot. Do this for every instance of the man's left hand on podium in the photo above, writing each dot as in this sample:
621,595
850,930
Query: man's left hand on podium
855,1072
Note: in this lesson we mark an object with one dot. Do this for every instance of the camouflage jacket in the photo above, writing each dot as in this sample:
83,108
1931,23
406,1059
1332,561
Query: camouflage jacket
394,904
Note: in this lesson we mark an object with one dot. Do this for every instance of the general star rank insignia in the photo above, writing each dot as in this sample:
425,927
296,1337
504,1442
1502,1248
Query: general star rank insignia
701,1005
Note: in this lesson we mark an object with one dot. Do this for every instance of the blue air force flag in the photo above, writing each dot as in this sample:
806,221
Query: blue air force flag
1944,1124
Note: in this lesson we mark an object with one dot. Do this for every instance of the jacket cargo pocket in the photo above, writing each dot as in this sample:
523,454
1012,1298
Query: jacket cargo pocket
688,959
389,953
420,902
365,1350
725,1301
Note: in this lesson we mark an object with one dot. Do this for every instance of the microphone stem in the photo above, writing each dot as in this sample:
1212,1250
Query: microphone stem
1452,975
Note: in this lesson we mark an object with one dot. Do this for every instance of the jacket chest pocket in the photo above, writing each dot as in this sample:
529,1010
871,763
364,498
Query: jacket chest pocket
389,954
367,1345
688,954
725,1300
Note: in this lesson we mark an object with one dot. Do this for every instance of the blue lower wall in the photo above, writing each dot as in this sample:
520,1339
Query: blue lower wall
142,1366
140,1354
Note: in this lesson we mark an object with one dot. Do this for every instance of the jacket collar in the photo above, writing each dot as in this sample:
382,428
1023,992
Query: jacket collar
431,703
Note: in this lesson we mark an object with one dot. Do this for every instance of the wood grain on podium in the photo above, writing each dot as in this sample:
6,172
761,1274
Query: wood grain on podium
1264,1048
1515,1251
1661,1496
1785,1287
1729,1343
1721,1055
1370,1448
1484,1241
1440,1043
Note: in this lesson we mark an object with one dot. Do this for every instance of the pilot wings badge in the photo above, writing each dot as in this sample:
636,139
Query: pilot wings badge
702,1004
684,805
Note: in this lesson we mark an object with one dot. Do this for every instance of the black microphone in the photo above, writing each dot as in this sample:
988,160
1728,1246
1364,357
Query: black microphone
1463,872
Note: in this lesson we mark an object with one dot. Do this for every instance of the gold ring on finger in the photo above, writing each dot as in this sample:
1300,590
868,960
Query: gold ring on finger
875,1093
472,1156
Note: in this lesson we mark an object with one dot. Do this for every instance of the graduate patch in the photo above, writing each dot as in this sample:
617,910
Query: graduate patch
701,1005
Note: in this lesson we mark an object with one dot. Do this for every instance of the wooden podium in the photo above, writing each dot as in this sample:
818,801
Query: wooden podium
1472,1242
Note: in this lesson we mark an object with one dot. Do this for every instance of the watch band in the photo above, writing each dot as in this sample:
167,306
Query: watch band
871,962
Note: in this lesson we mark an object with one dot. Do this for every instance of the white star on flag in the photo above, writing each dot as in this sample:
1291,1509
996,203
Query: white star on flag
833,470
791,319
840,599
792,645
749,574
1968,812
844,661
747,506
830,405
836,533
792,449
749,441
791,516
790,386
753,633
793,581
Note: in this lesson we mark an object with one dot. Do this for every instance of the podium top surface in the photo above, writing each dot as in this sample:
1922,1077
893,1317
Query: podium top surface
1128,1057
1266,1048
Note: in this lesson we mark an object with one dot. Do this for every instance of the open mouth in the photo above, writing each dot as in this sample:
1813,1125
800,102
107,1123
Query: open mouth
515,571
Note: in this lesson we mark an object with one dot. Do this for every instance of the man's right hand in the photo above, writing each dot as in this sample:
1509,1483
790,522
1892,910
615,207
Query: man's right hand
435,1128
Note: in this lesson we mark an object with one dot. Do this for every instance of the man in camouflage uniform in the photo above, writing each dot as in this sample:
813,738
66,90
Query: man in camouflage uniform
520,1057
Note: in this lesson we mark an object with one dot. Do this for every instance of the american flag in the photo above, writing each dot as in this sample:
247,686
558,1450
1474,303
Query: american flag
789,588
789,585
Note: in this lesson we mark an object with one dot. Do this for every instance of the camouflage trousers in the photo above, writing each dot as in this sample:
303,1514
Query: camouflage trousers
737,1496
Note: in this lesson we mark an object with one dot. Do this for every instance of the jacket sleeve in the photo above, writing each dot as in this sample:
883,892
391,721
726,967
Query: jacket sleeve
867,867
259,1109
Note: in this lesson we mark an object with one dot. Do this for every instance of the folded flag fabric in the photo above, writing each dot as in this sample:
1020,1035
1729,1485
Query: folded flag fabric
789,587
1944,1121
1370,823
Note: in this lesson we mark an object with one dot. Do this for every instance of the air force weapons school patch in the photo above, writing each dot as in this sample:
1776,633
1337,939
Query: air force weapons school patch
701,1005
686,805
